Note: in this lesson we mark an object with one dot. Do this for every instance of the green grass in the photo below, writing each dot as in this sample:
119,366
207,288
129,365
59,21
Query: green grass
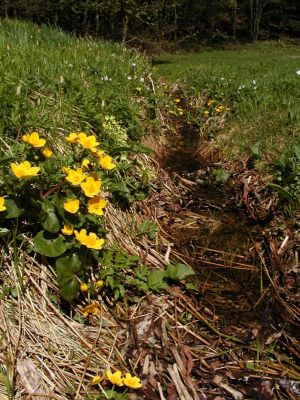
260,85
54,82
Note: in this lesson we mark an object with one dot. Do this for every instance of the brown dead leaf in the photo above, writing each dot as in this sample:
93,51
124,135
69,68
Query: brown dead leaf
29,376
172,392
187,359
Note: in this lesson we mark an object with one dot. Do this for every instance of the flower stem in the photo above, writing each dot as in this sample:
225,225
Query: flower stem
53,189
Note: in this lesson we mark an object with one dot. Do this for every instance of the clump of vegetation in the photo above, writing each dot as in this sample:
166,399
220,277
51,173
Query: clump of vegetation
287,174
56,82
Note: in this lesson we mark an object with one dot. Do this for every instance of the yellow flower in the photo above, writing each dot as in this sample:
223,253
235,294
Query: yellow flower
47,152
83,287
96,380
71,205
132,381
115,378
220,109
75,176
206,112
100,153
210,102
67,230
85,163
24,170
99,283
91,309
2,206
73,138
177,100
80,236
91,240
33,139
96,205
107,163
88,142
91,186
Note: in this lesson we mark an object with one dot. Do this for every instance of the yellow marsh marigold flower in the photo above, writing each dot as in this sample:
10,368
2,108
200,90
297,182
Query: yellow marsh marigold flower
91,241
81,236
99,283
47,152
97,379
100,153
211,102
132,382
75,176
67,230
115,378
73,138
2,206
83,287
88,142
91,309
71,205
96,205
106,163
91,186
34,139
24,170
219,109
85,163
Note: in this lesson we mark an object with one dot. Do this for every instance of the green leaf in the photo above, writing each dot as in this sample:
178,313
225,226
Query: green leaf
49,247
283,192
4,231
118,187
51,222
250,364
47,206
148,228
191,287
296,149
12,210
178,272
67,268
221,176
256,150
156,281
142,272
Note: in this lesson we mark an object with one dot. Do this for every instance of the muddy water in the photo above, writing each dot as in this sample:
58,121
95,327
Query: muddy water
213,234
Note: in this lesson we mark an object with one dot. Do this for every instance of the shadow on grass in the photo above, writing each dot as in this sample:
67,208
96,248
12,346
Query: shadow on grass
160,62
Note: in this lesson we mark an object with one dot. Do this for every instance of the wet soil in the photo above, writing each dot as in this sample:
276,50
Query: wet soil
213,234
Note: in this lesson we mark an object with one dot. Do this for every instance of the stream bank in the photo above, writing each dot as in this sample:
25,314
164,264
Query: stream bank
232,234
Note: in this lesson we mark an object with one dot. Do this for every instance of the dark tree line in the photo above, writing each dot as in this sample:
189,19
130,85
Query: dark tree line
164,19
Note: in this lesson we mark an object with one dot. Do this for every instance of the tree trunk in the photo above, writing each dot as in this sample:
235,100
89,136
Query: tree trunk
256,8
233,21
125,28
97,24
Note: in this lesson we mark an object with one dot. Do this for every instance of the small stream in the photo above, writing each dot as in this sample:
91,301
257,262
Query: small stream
213,234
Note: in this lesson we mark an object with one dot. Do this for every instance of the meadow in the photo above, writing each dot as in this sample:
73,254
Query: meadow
56,82
260,83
